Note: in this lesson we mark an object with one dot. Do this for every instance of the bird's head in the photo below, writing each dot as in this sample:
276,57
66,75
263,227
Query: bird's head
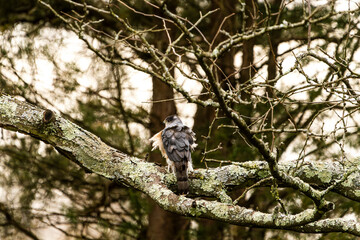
172,120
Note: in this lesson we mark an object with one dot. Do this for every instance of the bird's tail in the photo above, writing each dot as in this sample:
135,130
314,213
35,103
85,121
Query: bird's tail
181,173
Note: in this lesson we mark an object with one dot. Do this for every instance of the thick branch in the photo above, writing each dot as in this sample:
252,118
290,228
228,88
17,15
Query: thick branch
322,205
91,153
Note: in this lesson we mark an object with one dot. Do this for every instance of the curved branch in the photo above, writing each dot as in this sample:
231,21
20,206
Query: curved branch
91,153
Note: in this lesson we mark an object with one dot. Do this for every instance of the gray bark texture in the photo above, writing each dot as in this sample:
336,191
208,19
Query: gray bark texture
91,153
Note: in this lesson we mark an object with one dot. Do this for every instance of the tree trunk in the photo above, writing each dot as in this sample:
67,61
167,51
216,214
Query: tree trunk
163,225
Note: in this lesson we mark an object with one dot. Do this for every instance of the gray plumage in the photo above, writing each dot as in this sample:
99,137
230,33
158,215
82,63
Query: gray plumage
178,141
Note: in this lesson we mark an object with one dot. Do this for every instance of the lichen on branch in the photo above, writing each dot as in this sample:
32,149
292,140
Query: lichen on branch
88,151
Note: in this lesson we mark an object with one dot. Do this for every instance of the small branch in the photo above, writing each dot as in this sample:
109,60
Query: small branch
91,153
18,225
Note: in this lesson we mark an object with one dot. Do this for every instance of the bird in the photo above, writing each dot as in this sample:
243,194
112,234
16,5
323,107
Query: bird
176,142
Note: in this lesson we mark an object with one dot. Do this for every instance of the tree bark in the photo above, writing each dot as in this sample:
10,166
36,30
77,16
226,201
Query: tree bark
246,69
163,225
91,153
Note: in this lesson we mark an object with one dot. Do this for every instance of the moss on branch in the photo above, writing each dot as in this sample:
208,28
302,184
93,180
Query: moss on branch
90,152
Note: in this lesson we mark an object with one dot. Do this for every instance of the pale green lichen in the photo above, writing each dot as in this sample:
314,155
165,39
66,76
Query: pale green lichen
145,166
251,164
50,129
325,176
168,178
155,191
223,197
160,194
357,193
309,173
349,181
7,107
182,199
31,115
220,211
209,184
138,171
68,130
257,216
198,209
133,173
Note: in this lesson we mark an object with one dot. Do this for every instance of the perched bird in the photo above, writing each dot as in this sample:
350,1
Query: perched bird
175,142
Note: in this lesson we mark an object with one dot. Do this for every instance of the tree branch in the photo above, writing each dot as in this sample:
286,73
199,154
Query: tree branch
91,153
16,224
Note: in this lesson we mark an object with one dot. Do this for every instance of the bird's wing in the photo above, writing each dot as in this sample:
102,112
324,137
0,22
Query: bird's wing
191,137
177,141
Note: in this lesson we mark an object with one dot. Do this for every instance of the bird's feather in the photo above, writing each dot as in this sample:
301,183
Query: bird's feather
176,141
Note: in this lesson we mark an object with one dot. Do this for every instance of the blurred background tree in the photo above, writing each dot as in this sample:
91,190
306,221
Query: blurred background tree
101,65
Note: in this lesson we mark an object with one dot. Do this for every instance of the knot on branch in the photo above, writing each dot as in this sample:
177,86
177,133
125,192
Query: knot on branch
48,116
327,206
